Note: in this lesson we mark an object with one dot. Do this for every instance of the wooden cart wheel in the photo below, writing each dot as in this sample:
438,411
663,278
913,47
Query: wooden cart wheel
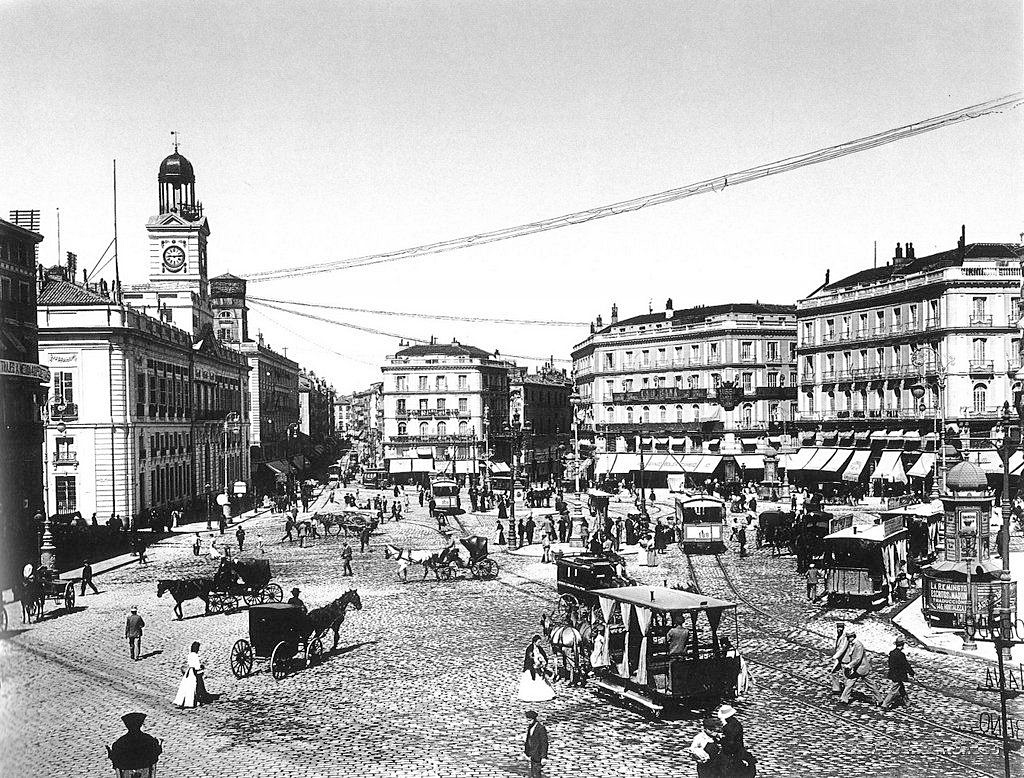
241,658
253,596
274,593
279,662
69,596
486,569
333,528
568,607
314,652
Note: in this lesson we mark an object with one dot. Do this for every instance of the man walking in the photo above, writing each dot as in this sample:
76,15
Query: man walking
240,535
531,526
812,582
133,633
87,577
857,667
197,544
346,558
536,746
289,525
899,671
364,538
836,673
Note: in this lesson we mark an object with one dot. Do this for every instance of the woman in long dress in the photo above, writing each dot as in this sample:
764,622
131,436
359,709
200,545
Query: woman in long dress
215,552
533,685
186,697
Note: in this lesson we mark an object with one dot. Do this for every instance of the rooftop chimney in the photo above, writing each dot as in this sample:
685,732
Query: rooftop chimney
962,245
898,254
600,321
668,308
615,313
259,337
910,251
827,273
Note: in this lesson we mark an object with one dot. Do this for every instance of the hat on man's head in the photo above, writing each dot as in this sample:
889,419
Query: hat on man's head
852,632
900,642
135,609
295,591
133,720
725,711
531,714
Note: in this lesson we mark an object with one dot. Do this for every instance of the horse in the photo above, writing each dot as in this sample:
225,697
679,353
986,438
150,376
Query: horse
186,589
562,638
431,559
331,616
32,597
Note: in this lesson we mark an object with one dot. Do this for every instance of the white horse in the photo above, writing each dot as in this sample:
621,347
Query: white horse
565,638
431,558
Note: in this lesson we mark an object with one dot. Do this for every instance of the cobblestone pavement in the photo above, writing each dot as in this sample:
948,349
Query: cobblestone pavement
424,681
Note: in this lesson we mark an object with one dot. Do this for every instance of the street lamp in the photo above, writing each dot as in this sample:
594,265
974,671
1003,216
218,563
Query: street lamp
969,534
231,425
926,357
579,413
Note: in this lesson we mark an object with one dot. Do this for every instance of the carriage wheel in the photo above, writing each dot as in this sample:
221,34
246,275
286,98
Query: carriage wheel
69,596
252,597
274,593
332,529
314,652
241,658
279,662
486,569
567,607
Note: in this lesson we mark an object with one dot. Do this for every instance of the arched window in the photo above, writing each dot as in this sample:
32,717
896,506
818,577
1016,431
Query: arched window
402,428
610,413
442,428
662,414
679,414
647,415
463,428
629,414
979,398
424,428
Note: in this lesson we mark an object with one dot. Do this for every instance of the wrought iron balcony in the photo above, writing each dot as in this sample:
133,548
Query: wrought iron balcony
666,394
981,367
430,413
978,320
65,458
64,411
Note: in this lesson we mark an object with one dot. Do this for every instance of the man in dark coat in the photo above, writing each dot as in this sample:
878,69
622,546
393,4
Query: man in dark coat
87,577
133,627
364,538
134,750
346,559
536,746
899,671
530,527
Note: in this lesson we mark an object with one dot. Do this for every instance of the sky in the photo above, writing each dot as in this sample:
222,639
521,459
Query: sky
321,131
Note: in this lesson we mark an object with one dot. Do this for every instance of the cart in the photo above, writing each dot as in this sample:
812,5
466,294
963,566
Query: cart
278,634
580,578
42,585
248,579
479,563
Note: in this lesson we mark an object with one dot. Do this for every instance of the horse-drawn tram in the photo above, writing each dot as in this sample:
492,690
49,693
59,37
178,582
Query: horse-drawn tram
581,576
445,493
700,523
863,562
695,667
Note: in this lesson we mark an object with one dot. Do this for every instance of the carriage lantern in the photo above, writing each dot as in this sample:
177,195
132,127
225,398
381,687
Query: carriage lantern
135,754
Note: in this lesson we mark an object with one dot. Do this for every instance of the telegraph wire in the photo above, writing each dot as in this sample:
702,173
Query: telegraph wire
412,315
97,267
314,343
716,184
385,333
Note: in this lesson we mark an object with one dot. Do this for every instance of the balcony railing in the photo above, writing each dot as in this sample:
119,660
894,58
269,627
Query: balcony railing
666,394
64,411
981,367
65,458
978,320
432,438
429,413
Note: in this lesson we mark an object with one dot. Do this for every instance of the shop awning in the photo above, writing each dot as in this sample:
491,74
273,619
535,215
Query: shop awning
1016,462
399,465
923,466
465,466
989,461
605,462
879,435
799,459
708,464
861,437
890,467
819,460
422,465
280,467
500,468
856,465
838,461
425,451
750,461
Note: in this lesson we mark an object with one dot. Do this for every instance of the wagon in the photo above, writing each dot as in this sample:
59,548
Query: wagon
248,579
479,564
278,634
39,587
581,577
348,522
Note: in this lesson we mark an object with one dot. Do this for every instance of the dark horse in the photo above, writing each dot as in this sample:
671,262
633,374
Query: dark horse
330,617
186,589
33,598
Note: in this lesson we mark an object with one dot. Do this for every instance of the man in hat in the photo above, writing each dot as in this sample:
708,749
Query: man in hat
812,582
133,627
836,673
240,537
295,600
135,750
536,746
732,731
899,671
857,667
87,577
346,559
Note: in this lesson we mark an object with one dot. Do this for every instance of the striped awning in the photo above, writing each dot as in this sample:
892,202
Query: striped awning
890,467
923,466
708,464
798,459
399,465
856,465
837,461
819,460
750,461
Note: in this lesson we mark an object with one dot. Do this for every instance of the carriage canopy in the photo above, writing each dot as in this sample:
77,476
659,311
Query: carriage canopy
272,623
476,546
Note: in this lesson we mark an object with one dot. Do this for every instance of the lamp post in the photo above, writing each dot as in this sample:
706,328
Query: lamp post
208,508
231,425
969,535
579,413
925,355
1004,439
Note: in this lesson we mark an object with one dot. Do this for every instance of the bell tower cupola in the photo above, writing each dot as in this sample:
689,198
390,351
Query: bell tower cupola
178,186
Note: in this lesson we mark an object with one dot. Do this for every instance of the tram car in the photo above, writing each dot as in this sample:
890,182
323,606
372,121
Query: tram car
924,523
641,671
581,576
861,562
700,523
809,533
445,493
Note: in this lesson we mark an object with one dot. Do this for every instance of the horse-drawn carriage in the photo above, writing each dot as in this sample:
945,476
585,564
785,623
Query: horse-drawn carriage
248,579
348,522
39,585
579,579
280,633
777,530
478,563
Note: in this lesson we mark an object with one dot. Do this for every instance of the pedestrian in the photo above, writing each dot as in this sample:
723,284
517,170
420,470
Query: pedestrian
898,673
836,671
531,526
522,531
364,538
295,600
396,491
546,554
536,747
421,494
240,535
215,552
737,761
501,533
87,577
857,667
346,558
812,582
584,531
192,689
259,544
133,627
197,545
561,528
902,586
741,535
289,526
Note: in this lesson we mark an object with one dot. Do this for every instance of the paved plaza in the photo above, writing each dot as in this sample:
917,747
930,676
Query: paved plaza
424,679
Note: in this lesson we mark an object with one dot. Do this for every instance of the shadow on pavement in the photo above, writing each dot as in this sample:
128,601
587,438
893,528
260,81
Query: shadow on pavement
11,633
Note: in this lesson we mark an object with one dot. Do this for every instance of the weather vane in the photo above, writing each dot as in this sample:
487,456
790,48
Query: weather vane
174,134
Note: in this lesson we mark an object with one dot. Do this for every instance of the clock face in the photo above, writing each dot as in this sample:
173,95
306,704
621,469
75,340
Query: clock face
174,259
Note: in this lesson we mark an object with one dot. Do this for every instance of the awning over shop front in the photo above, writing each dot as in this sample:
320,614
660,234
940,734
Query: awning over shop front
500,468
989,461
750,461
923,466
1016,462
280,467
605,462
799,459
708,464
862,436
856,466
837,461
664,463
422,465
819,460
890,467
399,465
879,435
465,466
425,451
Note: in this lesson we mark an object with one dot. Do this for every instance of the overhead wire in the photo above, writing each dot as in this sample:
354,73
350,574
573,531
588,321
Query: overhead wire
412,315
385,333
314,343
97,267
715,184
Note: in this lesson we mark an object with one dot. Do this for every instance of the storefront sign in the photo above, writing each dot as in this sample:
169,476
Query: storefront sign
893,525
24,370
951,596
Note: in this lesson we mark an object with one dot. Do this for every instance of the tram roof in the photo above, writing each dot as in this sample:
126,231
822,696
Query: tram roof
658,598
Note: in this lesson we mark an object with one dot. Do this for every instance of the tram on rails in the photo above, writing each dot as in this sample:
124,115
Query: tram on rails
700,523
445,493
861,563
